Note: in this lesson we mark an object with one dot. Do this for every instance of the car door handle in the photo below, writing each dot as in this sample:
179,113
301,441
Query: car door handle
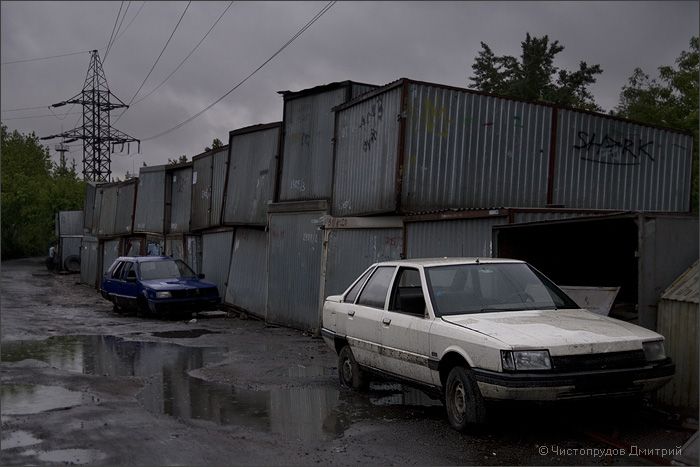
386,321
351,313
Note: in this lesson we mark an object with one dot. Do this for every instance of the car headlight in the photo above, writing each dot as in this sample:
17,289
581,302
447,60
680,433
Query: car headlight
654,351
524,360
163,295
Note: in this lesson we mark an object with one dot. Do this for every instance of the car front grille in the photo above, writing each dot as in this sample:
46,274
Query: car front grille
188,293
599,361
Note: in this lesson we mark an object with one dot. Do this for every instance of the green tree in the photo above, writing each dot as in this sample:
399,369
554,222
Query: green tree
33,190
215,144
180,160
534,76
670,100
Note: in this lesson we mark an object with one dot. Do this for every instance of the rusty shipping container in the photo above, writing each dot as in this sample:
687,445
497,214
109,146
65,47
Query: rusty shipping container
412,146
89,261
150,200
126,204
216,257
108,209
306,171
247,276
209,171
294,264
70,223
252,172
89,206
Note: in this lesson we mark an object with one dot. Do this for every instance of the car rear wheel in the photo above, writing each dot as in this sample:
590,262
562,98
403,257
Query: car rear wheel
463,401
349,372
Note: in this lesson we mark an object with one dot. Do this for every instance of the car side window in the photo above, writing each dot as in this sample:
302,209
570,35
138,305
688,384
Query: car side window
126,269
352,294
407,295
374,293
117,271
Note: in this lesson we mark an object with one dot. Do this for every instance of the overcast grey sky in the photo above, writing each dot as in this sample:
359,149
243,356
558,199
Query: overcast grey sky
372,42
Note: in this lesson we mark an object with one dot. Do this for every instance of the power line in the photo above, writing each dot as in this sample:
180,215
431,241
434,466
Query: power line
156,62
44,58
25,108
188,55
328,6
111,36
39,116
131,21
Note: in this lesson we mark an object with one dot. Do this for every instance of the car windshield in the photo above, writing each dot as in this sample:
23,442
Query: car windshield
485,288
166,269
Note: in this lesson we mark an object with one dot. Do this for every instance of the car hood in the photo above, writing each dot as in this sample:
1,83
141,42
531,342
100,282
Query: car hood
563,332
176,284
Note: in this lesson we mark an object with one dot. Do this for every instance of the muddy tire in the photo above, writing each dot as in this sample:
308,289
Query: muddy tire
464,403
349,372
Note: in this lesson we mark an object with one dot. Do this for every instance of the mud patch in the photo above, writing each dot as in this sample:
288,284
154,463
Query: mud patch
184,334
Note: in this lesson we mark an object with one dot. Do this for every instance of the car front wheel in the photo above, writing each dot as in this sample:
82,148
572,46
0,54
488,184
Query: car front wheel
349,372
463,401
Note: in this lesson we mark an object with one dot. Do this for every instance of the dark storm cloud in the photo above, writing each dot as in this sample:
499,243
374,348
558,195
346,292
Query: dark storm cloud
363,41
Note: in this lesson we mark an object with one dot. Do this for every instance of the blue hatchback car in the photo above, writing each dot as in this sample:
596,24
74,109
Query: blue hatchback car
157,284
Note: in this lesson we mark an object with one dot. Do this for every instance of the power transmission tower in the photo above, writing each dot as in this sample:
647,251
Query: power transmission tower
96,132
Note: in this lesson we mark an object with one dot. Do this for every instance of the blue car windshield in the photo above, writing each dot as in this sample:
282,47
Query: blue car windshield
492,287
167,269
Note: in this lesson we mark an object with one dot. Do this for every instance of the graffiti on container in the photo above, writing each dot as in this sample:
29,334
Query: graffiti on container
487,124
298,185
303,138
518,122
392,241
309,238
613,151
679,146
373,115
205,194
367,143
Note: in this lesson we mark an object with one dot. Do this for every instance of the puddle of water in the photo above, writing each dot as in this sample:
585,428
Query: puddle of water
24,399
18,439
68,456
183,334
308,412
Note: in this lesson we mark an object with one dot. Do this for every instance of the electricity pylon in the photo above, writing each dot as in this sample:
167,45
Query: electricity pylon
98,136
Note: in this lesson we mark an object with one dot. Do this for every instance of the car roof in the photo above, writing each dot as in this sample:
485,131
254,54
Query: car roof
446,261
143,259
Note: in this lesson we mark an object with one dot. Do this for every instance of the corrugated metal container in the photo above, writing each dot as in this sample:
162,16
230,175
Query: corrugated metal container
351,250
69,246
458,237
414,146
179,199
216,257
247,277
678,323
89,206
96,211
294,267
135,246
108,209
175,247
89,261
521,216
126,199
193,252
307,155
150,200
110,251
70,223
252,173
209,171
607,163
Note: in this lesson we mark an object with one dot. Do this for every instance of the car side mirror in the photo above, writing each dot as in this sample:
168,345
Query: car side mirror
200,275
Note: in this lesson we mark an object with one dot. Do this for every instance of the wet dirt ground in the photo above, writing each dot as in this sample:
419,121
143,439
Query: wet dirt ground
84,385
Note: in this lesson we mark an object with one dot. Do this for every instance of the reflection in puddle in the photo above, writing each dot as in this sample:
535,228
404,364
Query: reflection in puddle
307,404
18,439
183,334
67,456
23,399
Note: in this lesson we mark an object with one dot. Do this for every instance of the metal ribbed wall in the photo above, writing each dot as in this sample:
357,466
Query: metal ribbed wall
108,209
294,268
201,192
193,251
89,206
175,247
96,211
307,161
180,200
150,201
247,277
110,252
520,217
216,256
465,150
126,196
70,246
359,88
70,223
351,251
251,175
461,237
89,261
603,163
218,185
367,137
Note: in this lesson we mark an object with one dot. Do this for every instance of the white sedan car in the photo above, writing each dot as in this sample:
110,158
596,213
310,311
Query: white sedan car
471,329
